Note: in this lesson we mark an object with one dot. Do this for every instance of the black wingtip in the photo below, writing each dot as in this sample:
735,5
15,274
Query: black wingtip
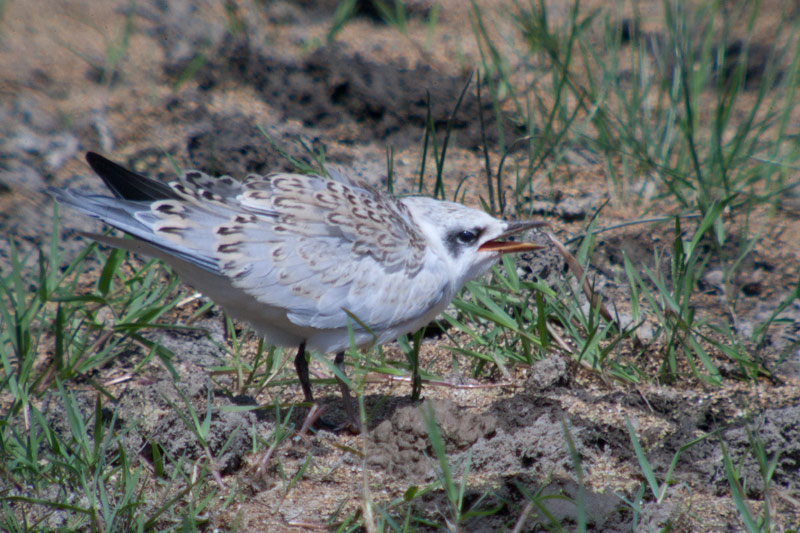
95,160
127,184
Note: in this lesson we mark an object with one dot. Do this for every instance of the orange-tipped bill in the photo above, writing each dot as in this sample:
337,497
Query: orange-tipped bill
506,247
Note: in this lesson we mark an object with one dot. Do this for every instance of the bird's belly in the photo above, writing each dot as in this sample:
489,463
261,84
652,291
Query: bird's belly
274,325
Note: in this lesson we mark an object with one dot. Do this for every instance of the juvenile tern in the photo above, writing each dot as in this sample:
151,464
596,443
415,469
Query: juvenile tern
296,256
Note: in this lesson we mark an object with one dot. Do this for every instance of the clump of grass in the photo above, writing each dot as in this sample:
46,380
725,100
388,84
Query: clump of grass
55,332
713,141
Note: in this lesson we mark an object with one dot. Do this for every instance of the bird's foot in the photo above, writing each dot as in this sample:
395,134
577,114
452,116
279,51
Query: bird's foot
351,426
314,419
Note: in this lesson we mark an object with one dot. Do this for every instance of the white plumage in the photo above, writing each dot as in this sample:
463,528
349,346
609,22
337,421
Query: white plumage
289,253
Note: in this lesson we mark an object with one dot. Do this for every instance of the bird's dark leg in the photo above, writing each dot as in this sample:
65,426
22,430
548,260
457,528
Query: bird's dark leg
301,365
313,417
348,402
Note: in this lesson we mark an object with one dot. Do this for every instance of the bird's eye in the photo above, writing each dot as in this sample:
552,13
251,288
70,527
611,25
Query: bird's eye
466,237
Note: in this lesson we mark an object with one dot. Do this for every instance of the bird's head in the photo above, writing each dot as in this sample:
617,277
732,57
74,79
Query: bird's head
467,239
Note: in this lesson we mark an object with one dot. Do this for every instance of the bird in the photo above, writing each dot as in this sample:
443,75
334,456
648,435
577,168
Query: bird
298,257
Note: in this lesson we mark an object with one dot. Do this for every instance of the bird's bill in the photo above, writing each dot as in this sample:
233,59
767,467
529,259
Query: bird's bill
508,247
498,245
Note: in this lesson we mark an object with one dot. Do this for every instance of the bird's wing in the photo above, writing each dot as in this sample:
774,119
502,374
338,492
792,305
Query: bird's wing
328,245
177,219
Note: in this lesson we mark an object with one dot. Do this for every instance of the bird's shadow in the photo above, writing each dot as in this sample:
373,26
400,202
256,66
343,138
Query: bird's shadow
377,408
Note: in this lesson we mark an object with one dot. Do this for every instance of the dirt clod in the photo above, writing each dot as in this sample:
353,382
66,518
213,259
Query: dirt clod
401,444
